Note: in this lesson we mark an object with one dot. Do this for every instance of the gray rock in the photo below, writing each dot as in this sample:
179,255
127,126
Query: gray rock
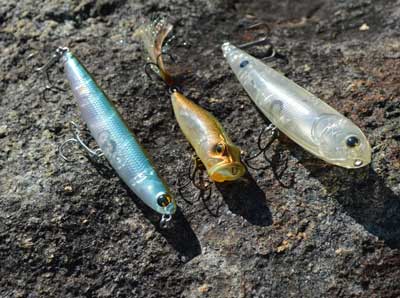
74,230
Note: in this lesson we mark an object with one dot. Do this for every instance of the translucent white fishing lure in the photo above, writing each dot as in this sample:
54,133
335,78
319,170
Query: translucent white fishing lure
303,117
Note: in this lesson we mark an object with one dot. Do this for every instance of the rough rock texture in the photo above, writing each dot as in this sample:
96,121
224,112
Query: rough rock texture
75,230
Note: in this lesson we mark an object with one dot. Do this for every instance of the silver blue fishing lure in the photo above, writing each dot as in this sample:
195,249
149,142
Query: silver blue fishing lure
116,142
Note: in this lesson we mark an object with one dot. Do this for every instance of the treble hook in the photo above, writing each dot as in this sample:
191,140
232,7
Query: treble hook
265,41
262,149
96,153
53,60
165,221
273,161
162,75
198,168
164,54
202,184
147,72
204,188
257,25
255,43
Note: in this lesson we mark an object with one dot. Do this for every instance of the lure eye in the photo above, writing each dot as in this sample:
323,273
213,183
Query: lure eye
164,200
352,141
220,148
244,63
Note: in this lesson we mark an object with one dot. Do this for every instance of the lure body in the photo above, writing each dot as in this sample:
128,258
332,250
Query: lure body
219,155
303,117
117,143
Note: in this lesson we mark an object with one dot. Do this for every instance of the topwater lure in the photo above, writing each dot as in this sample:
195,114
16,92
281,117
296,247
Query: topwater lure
115,140
212,145
303,117
219,155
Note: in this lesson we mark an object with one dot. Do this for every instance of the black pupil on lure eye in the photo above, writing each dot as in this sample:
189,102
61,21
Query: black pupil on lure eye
219,148
244,63
352,141
162,201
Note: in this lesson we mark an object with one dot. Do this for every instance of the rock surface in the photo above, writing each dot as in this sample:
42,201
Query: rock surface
74,230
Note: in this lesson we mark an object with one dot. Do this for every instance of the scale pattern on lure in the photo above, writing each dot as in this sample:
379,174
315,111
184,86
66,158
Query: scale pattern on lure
303,117
219,155
117,143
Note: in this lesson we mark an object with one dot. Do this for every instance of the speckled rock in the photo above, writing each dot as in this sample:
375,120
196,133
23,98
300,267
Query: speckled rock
299,228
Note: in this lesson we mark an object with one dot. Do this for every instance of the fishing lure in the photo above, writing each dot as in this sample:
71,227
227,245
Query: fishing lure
116,142
152,36
212,145
219,155
303,117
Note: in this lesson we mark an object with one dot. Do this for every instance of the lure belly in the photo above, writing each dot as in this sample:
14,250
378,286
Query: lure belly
219,155
303,117
117,143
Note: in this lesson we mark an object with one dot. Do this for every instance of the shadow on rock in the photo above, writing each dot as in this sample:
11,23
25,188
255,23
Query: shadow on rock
103,168
365,197
246,199
179,235
361,192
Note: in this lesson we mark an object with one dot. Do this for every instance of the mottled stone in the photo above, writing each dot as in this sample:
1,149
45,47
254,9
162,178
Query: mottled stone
75,230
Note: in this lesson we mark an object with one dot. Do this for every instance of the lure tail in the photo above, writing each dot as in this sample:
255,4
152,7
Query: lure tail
152,35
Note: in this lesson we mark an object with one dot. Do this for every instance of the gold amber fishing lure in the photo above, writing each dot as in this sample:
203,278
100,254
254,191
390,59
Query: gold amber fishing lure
215,149
220,157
